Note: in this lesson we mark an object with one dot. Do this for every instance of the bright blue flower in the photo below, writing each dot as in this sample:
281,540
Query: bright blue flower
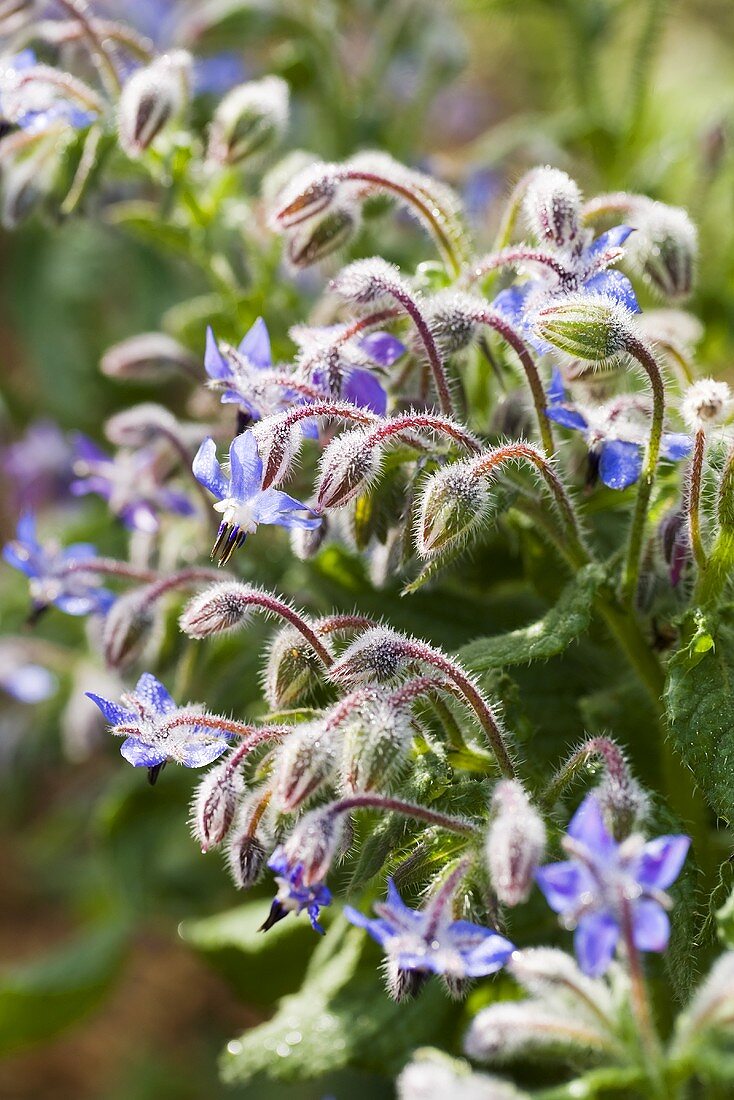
35,105
590,889
27,683
429,941
293,896
581,270
132,483
57,576
156,730
336,369
243,502
615,434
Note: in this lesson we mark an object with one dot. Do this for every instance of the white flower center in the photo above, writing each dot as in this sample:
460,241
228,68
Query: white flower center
237,513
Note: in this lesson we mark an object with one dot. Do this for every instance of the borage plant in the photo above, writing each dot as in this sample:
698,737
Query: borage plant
515,405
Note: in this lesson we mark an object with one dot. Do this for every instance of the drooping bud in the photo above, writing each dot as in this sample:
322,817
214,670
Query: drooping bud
127,628
304,764
215,803
320,236
453,504
348,467
554,975
675,539
141,425
306,543
515,843
247,843
368,282
591,327
376,742
403,985
623,801
453,320
292,670
151,98
712,1007
513,1028
552,207
216,610
249,120
432,1075
376,655
278,444
149,355
309,194
315,843
706,404
664,247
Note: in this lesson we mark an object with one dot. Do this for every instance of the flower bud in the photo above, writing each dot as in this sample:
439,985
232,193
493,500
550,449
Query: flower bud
675,539
552,206
127,628
321,236
452,317
140,425
348,467
367,282
432,1075
454,503
515,843
376,742
706,404
665,248
217,610
303,765
712,1007
308,195
151,98
403,985
292,670
591,327
315,843
249,120
278,444
149,355
215,802
377,655
247,845
623,801
548,973
513,1028
305,543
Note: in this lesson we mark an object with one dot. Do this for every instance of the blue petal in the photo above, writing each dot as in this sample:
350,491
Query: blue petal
661,861
675,445
556,389
26,530
215,365
79,551
88,451
197,754
511,302
153,695
567,417
614,285
17,555
594,942
382,347
489,956
207,470
245,467
276,507
255,346
620,463
76,604
562,884
363,389
613,238
587,826
115,714
650,926
140,755
29,683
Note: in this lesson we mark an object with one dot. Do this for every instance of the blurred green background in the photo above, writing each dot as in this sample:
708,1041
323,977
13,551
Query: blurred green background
101,885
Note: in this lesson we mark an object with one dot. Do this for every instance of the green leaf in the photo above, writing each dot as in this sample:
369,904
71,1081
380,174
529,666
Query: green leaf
143,219
44,997
341,1017
545,638
259,967
699,698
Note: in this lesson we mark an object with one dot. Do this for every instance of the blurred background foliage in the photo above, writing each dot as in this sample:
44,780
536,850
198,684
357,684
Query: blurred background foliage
120,981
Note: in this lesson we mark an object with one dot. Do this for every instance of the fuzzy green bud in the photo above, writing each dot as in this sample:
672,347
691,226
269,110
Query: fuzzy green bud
591,327
452,507
249,121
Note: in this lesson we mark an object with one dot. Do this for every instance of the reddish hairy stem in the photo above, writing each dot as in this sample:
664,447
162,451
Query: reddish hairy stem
408,809
412,421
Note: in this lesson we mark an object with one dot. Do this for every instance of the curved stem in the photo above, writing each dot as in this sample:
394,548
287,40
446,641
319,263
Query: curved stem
435,362
693,498
380,317
79,11
408,809
285,611
510,257
640,1000
112,568
410,421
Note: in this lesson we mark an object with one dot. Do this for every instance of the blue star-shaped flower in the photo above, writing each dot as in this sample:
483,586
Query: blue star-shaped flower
590,889
293,895
429,941
344,380
35,105
156,730
243,502
615,441
57,576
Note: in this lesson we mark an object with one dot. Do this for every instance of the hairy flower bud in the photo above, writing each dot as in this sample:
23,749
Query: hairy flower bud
151,98
278,444
292,670
664,247
552,207
452,317
712,1007
376,741
623,801
127,628
706,404
315,843
149,355
320,236
304,763
247,843
305,542
249,120
348,467
216,610
432,1075
514,1028
591,327
215,803
309,194
368,282
554,976
376,655
453,505
140,425
515,843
